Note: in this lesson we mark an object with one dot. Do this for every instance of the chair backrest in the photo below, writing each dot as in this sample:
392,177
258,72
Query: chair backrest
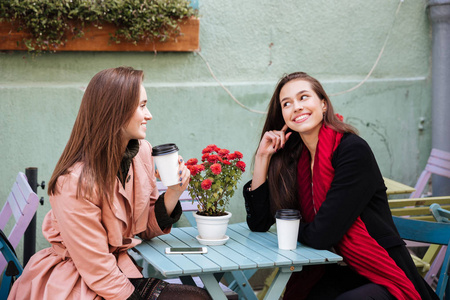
187,204
21,204
428,232
439,213
439,164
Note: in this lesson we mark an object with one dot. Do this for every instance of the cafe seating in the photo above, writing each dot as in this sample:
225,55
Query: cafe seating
438,163
19,209
439,213
418,207
13,269
432,233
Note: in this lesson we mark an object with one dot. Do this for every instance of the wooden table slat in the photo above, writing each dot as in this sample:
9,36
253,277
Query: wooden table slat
162,264
294,256
182,261
224,261
246,258
268,251
395,187
314,255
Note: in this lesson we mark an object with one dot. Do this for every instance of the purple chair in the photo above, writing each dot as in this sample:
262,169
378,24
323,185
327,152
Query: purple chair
439,164
21,204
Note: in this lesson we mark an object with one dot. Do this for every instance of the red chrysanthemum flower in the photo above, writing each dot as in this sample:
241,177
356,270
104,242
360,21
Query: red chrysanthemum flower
191,162
223,152
216,169
226,162
206,184
231,156
340,117
207,150
193,170
213,158
200,168
238,154
213,147
205,156
241,165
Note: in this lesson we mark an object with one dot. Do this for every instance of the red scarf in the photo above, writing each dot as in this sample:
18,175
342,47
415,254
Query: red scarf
359,250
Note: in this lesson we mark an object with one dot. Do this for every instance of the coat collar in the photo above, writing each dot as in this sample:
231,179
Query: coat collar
138,188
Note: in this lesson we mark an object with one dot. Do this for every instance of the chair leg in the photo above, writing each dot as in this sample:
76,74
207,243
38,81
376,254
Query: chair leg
443,285
432,275
6,286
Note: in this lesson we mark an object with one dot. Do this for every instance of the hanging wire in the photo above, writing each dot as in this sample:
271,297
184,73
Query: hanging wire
335,94
376,61
228,92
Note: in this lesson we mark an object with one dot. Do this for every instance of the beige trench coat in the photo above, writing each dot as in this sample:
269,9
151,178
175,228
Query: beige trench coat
89,238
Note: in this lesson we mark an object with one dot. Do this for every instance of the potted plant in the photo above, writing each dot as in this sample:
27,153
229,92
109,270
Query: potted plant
213,182
97,25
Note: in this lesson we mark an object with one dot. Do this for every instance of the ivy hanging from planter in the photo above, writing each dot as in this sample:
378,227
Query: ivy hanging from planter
50,22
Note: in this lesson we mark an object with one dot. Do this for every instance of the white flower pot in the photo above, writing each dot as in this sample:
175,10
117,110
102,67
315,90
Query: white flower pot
212,228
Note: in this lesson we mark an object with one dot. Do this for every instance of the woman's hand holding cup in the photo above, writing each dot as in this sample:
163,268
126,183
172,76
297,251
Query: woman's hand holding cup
184,173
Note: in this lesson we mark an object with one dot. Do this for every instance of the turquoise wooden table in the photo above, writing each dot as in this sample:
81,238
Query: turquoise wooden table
245,250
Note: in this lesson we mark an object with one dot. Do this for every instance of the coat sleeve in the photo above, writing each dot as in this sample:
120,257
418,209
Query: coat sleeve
85,238
257,205
163,218
354,184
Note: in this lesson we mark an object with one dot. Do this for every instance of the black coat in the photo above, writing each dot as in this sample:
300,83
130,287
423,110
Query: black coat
357,189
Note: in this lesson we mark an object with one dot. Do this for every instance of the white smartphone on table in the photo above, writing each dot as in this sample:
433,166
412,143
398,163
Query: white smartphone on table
186,250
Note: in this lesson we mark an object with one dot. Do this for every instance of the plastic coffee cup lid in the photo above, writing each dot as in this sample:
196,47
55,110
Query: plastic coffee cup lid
164,149
288,214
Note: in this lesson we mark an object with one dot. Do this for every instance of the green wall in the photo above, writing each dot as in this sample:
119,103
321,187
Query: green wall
249,45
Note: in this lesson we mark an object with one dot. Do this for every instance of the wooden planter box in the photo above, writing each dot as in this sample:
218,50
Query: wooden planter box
99,40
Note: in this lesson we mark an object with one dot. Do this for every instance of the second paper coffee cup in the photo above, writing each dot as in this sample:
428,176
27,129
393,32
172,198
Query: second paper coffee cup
288,223
166,160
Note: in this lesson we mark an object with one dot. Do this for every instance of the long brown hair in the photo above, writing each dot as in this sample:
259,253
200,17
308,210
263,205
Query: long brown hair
108,103
282,173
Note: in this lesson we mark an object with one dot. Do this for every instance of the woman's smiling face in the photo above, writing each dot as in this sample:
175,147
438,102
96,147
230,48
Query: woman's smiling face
302,109
137,126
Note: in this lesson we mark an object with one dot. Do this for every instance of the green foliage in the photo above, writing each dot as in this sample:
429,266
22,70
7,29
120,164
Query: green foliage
50,21
214,181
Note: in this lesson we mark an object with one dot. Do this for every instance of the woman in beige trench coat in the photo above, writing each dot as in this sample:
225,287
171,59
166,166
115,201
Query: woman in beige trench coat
103,193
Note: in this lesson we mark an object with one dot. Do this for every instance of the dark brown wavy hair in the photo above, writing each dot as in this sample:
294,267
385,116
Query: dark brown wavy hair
282,173
109,102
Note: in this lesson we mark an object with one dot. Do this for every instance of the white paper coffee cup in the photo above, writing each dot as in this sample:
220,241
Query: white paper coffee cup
288,223
166,160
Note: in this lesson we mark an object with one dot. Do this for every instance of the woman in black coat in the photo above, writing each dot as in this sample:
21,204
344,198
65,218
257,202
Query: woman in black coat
308,159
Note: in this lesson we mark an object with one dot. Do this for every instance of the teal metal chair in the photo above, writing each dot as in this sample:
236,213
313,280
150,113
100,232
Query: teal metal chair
13,268
433,233
439,213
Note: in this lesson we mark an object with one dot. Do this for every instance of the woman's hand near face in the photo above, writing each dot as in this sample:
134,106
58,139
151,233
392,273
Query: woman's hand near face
174,192
271,142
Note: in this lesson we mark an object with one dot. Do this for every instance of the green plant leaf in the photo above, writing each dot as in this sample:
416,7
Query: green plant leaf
47,20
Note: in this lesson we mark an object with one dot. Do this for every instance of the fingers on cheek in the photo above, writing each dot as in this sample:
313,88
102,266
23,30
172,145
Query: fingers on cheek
277,142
